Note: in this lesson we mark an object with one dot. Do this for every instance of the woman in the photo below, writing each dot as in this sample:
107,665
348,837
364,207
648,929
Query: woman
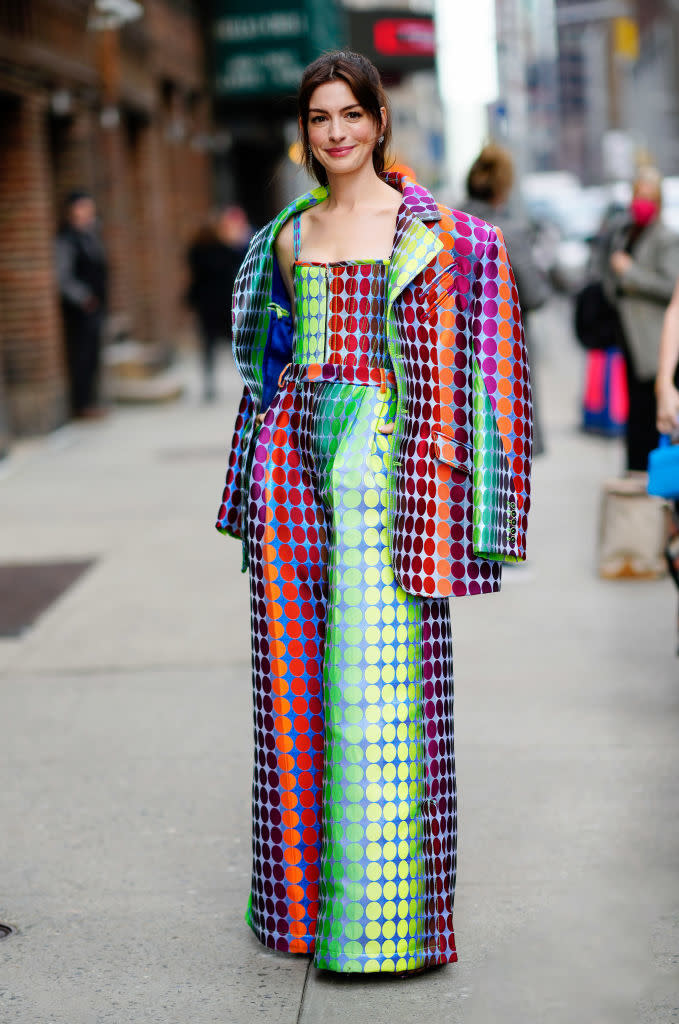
214,258
489,184
641,264
380,463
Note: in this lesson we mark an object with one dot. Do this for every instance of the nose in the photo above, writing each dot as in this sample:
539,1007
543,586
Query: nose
336,133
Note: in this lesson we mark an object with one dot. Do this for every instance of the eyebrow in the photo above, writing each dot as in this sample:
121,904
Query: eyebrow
320,110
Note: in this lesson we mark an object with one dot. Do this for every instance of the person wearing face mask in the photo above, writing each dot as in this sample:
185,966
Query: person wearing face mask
640,267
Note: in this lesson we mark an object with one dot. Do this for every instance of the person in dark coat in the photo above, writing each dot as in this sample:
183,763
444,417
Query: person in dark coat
489,184
82,279
214,259
639,267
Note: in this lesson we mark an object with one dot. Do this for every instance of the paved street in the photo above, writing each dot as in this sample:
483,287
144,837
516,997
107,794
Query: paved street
126,753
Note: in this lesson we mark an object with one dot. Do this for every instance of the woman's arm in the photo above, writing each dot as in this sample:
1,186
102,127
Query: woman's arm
649,282
666,392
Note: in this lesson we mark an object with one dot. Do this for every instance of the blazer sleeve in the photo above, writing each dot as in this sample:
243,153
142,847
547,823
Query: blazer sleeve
534,289
502,409
230,514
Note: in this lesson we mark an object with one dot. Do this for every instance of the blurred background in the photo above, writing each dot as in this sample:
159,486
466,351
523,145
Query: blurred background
165,109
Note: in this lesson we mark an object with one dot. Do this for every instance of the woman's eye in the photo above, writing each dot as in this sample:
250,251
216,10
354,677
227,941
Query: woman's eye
354,114
317,119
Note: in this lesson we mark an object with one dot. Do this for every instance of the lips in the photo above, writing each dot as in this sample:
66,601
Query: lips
339,151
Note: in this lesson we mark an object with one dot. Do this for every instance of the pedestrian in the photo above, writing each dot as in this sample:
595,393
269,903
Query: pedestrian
380,463
214,258
82,280
639,267
489,186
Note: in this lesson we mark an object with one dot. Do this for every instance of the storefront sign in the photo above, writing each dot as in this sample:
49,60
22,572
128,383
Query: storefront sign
404,37
394,40
262,46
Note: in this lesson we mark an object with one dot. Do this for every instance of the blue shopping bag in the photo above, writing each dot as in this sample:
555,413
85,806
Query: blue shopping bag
663,470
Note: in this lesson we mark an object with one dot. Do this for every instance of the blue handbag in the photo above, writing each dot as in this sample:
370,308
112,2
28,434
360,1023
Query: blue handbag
663,470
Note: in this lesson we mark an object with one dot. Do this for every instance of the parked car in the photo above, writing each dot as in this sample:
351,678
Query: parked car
670,202
566,217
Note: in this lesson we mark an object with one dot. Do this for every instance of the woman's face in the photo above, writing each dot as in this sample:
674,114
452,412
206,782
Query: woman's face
646,190
342,135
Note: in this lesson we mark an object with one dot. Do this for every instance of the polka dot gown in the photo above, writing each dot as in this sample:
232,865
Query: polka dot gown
354,800
354,540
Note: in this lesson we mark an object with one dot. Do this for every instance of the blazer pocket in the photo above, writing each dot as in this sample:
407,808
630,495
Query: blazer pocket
452,452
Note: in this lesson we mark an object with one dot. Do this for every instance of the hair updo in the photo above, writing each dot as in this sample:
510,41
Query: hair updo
491,176
363,79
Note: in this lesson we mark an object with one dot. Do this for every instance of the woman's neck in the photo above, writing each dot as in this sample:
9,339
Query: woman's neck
348,192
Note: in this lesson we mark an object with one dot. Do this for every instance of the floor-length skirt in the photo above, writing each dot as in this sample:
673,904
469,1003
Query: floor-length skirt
354,799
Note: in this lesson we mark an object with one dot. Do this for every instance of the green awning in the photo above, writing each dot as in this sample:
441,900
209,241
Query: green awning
262,46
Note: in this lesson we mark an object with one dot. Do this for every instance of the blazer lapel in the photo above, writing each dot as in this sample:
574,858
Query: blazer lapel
415,245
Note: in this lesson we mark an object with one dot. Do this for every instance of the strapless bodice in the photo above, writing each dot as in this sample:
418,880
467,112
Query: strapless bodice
340,313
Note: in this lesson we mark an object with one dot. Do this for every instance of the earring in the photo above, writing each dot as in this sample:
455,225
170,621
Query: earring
381,139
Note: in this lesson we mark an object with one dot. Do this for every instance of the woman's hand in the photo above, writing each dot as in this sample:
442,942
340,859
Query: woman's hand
259,418
620,262
386,428
667,420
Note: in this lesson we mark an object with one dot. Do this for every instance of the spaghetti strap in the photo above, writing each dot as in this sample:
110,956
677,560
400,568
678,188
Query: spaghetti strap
296,235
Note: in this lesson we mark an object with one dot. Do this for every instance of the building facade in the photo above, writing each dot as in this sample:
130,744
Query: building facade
122,111
618,72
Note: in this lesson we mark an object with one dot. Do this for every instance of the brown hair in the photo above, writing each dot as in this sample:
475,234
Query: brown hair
363,79
491,176
649,176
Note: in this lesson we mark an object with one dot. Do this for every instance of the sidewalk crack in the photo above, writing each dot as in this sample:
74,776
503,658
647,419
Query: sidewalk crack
304,988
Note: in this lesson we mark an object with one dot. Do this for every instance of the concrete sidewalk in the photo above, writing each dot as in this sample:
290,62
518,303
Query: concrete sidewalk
127,754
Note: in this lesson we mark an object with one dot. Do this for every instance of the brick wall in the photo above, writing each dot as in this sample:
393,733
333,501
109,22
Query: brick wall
30,337
151,183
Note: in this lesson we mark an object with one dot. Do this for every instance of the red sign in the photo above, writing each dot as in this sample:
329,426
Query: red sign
404,37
